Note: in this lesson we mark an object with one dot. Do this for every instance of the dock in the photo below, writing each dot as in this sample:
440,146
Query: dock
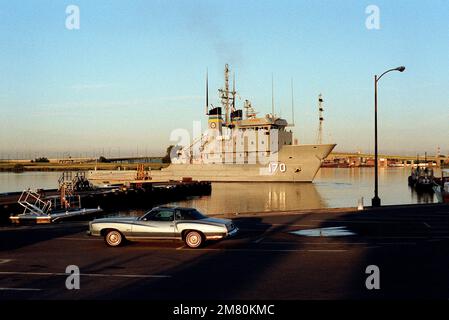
136,195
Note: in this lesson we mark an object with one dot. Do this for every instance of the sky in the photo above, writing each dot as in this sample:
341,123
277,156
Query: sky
135,71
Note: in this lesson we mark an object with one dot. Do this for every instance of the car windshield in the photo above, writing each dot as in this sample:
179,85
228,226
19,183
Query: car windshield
189,214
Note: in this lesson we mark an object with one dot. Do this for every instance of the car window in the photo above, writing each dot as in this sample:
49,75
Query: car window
163,215
160,215
147,215
189,214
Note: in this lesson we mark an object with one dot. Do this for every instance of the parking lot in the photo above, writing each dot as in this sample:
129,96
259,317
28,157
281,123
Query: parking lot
304,255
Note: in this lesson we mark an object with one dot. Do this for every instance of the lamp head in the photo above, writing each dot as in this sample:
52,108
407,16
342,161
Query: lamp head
400,69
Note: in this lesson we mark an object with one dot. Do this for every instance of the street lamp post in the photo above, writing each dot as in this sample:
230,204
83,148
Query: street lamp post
375,202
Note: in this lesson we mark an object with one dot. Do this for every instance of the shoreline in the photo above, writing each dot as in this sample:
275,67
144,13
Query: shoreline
18,167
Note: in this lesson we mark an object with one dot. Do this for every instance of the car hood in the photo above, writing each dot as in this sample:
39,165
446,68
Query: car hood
117,219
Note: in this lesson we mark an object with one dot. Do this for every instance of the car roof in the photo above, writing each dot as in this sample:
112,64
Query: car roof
174,207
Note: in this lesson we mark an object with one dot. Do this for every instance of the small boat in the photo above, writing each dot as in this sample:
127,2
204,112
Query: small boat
422,179
441,187
39,209
442,192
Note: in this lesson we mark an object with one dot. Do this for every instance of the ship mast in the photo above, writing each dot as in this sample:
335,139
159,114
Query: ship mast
321,110
224,94
293,107
233,92
437,157
272,95
207,92
227,96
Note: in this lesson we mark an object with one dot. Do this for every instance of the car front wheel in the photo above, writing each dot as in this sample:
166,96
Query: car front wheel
193,239
113,238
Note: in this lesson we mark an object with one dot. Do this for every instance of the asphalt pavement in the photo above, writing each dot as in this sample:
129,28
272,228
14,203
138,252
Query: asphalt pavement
278,256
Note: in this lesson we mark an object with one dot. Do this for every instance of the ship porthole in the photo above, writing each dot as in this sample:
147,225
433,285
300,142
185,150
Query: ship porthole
297,170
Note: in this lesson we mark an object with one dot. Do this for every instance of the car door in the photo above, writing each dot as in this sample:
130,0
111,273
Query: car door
157,224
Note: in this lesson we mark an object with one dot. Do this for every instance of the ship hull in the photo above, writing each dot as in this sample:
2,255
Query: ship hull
295,163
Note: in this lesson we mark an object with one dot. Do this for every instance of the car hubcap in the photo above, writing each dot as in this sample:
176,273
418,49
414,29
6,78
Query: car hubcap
114,238
194,240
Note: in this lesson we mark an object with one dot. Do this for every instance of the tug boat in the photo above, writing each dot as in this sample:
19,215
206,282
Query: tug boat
422,179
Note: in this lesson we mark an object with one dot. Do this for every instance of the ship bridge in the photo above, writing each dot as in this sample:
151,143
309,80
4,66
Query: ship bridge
235,136
267,122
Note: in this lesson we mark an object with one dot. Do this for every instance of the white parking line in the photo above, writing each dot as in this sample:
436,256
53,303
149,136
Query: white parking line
19,289
258,240
266,250
339,244
290,225
316,243
427,225
397,243
82,239
398,237
3,261
328,250
265,232
85,274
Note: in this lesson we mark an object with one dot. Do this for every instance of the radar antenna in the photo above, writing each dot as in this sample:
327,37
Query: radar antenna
250,112
321,118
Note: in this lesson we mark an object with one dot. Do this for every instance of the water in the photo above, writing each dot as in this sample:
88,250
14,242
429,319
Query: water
10,181
333,187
